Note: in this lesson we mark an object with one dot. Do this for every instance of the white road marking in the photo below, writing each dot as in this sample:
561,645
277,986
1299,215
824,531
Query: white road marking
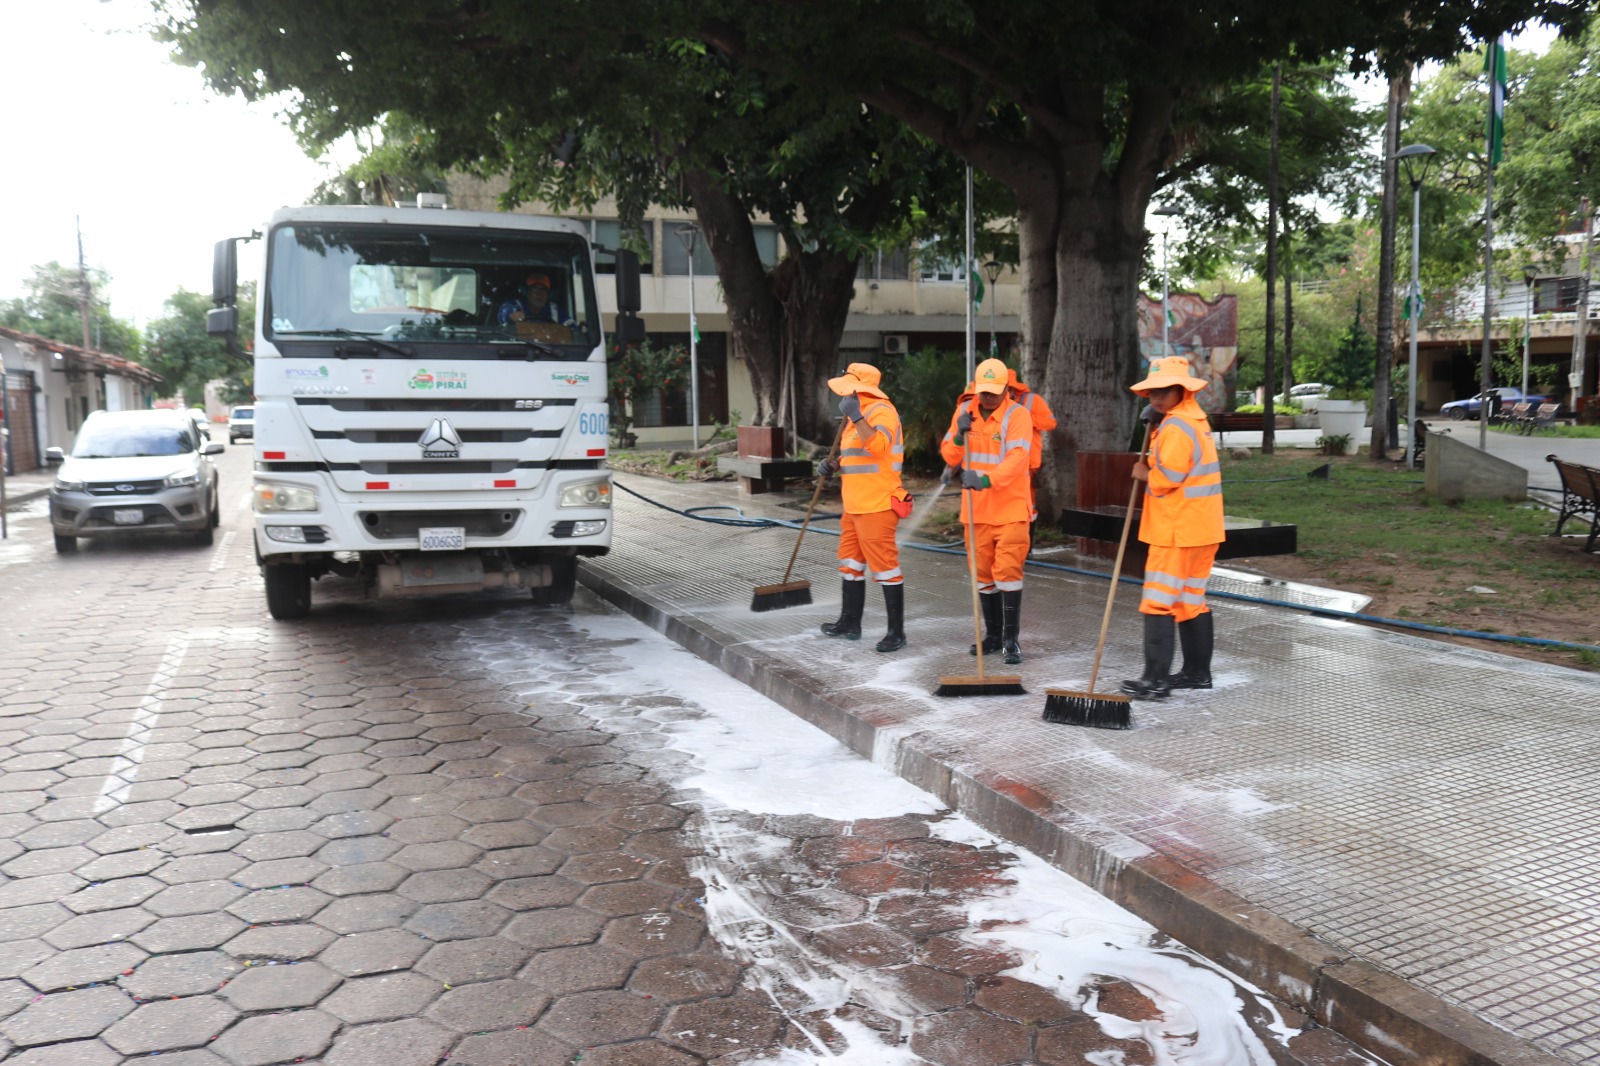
219,558
125,765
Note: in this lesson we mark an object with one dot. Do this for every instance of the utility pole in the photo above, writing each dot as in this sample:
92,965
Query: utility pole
1269,421
83,284
1580,320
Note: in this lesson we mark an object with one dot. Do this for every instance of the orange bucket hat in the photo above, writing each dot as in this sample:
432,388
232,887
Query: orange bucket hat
1173,370
858,377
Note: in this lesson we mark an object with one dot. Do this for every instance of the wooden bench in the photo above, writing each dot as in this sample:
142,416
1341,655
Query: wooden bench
1544,416
1243,538
1232,422
762,464
1580,496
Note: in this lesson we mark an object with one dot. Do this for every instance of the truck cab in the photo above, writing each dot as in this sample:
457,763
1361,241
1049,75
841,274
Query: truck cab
418,423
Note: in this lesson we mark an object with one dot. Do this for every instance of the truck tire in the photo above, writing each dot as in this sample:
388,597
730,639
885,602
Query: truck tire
563,583
66,544
288,590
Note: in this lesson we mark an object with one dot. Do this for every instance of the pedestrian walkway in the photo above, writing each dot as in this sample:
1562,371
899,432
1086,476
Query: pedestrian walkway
1389,832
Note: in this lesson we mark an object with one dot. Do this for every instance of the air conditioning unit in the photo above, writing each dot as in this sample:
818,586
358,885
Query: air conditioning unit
894,344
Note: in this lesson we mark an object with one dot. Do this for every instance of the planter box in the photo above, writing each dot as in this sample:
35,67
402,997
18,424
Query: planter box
1343,418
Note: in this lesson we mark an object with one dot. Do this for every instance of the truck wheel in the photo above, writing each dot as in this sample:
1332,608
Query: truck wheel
66,544
563,582
288,590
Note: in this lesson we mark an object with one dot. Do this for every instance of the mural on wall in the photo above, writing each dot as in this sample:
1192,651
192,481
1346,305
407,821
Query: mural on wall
1205,331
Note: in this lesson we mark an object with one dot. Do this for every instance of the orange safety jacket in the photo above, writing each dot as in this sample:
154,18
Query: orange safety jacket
870,458
1183,498
1000,446
1044,420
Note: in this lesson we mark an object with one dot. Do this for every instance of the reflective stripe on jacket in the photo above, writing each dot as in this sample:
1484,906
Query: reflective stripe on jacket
1183,498
870,458
1000,446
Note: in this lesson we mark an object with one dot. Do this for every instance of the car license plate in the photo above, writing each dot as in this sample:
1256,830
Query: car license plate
128,516
443,538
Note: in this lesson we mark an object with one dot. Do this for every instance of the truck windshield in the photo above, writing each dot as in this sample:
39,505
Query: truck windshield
493,291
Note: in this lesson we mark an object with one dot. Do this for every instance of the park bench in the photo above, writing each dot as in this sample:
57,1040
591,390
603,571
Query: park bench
1233,422
1580,496
1515,414
1544,416
762,464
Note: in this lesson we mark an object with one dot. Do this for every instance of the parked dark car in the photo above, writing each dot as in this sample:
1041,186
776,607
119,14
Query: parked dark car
1501,399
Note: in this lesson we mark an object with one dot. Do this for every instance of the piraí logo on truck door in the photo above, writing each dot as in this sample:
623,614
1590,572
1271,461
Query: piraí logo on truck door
440,441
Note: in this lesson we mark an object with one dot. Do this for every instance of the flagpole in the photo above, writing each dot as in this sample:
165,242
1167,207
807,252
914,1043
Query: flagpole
972,342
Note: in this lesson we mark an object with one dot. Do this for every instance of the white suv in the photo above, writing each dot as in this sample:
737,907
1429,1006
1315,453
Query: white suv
241,423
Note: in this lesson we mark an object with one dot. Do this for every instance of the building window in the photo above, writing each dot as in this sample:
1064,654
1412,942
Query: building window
1555,294
934,265
608,232
893,264
675,258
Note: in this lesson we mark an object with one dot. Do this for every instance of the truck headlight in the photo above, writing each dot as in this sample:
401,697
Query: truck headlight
271,499
178,481
586,494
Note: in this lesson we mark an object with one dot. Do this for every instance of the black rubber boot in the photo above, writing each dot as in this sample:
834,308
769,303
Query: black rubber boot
1159,637
1011,621
894,605
851,600
1195,636
991,623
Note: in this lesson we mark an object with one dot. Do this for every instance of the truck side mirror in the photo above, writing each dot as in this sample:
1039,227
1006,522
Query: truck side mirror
224,274
628,300
629,330
222,321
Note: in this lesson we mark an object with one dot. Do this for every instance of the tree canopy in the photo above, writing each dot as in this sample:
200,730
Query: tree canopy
188,359
50,308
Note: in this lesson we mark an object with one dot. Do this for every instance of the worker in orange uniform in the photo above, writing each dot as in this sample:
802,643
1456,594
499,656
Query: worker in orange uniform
1044,420
870,456
990,442
1182,524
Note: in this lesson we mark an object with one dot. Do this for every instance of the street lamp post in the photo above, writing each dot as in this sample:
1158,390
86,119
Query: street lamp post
688,235
991,270
1166,314
1530,274
1416,158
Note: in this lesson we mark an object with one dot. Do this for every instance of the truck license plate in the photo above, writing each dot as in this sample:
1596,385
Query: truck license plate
128,516
443,538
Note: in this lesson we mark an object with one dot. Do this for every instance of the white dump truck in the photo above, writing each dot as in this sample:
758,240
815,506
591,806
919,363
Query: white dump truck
426,420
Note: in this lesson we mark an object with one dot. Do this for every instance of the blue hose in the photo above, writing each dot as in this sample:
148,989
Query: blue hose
1324,612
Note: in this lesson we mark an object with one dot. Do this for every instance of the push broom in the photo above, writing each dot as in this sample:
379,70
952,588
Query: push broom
788,593
1099,710
998,685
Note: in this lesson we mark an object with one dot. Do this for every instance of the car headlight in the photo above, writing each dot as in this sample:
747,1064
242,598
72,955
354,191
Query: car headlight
68,486
586,494
270,499
178,481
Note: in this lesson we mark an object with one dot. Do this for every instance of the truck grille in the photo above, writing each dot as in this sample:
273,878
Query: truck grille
403,525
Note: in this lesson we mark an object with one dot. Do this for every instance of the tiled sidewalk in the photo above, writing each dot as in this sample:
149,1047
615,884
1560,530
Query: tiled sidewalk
1391,832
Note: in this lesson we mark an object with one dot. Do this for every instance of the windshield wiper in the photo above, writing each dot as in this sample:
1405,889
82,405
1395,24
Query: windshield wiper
539,346
376,342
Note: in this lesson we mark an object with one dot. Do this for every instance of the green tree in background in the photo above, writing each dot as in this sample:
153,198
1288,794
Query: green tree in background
180,350
51,309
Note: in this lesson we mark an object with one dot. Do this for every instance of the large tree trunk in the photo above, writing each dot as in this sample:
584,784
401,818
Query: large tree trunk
1399,91
792,315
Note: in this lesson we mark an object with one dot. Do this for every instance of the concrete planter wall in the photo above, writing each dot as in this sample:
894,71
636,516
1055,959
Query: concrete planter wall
1343,418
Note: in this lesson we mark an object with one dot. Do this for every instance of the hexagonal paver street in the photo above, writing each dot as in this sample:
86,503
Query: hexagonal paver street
460,831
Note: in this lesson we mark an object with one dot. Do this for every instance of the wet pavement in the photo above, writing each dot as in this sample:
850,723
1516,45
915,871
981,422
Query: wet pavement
478,832
1391,833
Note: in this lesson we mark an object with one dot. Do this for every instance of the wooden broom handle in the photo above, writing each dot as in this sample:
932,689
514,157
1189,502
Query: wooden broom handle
1116,569
972,547
815,496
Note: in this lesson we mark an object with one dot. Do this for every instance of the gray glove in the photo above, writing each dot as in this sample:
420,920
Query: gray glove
850,406
827,468
971,479
949,472
1150,415
964,423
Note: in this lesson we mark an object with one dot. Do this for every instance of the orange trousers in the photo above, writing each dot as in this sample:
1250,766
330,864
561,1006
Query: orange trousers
866,541
1001,551
1175,581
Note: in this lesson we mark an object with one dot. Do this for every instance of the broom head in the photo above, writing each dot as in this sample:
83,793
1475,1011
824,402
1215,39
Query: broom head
777,597
1097,710
981,685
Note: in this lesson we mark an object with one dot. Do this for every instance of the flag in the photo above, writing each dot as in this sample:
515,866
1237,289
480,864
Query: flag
994,347
1494,64
977,289
694,328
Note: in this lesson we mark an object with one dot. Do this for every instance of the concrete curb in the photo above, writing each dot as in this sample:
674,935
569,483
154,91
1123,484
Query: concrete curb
16,497
1375,1010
